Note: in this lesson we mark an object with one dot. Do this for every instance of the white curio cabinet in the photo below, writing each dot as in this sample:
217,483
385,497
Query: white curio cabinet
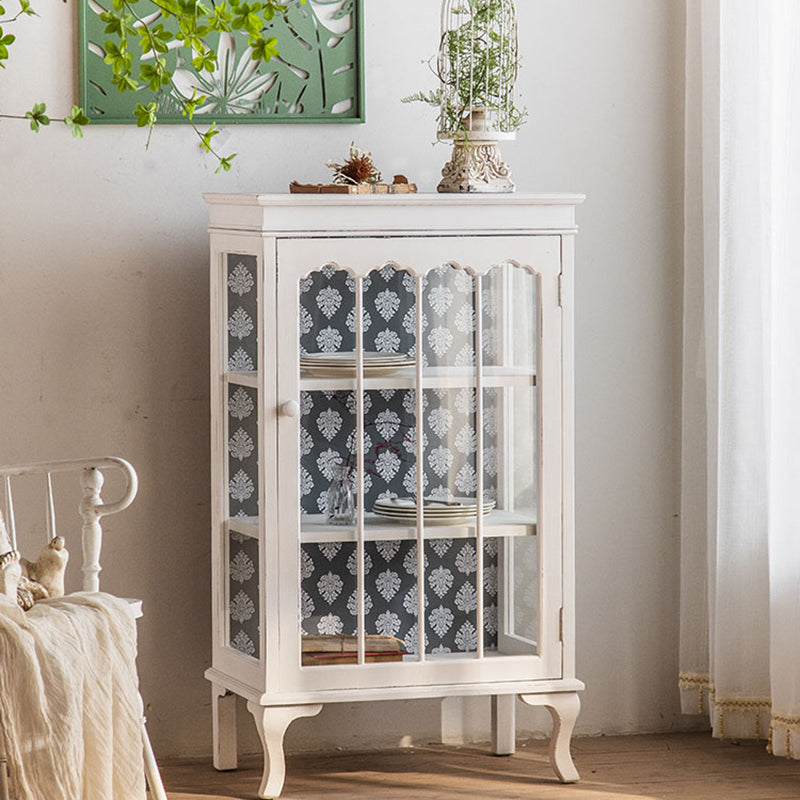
392,450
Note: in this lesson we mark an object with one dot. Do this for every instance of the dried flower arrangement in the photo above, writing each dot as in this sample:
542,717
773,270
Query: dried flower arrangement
356,174
356,169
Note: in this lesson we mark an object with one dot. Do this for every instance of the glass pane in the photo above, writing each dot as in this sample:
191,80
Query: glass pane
242,451
242,303
243,591
512,431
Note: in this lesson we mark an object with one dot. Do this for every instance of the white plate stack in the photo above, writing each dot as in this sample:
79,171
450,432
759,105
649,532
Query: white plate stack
458,511
340,365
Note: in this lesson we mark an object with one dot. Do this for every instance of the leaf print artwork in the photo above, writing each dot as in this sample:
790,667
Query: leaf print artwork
240,445
306,565
467,638
387,624
466,598
329,300
465,319
241,567
330,549
387,341
306,441
243,643
465,357
240,487
240,325
410,561
440,580
366,320
387,302
240,404
387,423
306,321
440,460
330,624
387,584
326,461
306,605
441,546
242,607
410,481
440,298
410,401
241,361
329,340
463,281
411,639
410,321
466,480
467,560
352,603
490,580
352,563
329,422
387,465
240,280
440,340
330,587
490,619
306,482
466,401
441,620
388,549
466,440
440,420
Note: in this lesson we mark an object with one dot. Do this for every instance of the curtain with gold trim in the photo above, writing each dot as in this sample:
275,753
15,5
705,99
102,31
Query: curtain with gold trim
740,493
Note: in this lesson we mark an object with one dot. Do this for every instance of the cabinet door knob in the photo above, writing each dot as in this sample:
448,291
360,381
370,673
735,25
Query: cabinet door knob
291,408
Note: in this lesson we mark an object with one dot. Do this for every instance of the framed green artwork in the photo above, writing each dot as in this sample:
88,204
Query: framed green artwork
318,75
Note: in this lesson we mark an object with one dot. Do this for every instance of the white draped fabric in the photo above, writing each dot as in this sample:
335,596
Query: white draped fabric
740,595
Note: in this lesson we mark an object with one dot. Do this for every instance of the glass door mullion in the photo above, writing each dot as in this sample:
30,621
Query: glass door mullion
479,461
420,455
361,643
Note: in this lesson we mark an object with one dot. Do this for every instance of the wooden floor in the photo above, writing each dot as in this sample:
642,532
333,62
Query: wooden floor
658,767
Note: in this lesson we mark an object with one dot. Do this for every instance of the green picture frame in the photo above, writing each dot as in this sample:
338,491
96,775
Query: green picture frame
318,76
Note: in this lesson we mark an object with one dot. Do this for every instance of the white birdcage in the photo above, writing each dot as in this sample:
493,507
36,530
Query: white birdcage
477,66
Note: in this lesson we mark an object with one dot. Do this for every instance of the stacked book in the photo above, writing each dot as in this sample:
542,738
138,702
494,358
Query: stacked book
324,648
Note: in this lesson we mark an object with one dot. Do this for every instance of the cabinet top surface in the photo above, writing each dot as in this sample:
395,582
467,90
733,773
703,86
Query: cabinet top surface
323,214
416,199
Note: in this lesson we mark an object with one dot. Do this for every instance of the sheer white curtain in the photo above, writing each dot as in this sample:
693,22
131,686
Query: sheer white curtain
740,603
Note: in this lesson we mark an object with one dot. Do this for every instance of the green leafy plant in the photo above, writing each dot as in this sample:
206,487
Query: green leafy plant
179,23
477,66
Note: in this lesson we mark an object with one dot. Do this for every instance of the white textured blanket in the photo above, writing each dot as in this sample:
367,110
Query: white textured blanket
70,717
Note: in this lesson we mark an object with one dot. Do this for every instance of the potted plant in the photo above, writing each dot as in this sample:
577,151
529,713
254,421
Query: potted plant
477,67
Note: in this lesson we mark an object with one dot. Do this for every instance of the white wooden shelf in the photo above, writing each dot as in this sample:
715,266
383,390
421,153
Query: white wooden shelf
243,378
247,526
314,528
432,378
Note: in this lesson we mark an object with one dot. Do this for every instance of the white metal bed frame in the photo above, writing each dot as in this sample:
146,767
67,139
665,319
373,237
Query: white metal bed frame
91,510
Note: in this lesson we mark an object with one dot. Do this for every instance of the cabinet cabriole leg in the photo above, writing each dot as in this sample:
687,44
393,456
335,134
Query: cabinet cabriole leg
564,708
271,723
223,713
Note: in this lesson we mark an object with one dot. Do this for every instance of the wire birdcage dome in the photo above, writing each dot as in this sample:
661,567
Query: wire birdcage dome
477,65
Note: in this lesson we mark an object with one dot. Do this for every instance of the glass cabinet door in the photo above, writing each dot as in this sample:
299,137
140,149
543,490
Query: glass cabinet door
412,372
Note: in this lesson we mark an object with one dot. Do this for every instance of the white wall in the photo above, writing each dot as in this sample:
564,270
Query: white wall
103,323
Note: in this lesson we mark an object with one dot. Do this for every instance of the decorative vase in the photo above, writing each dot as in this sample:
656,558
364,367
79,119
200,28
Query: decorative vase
341,506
